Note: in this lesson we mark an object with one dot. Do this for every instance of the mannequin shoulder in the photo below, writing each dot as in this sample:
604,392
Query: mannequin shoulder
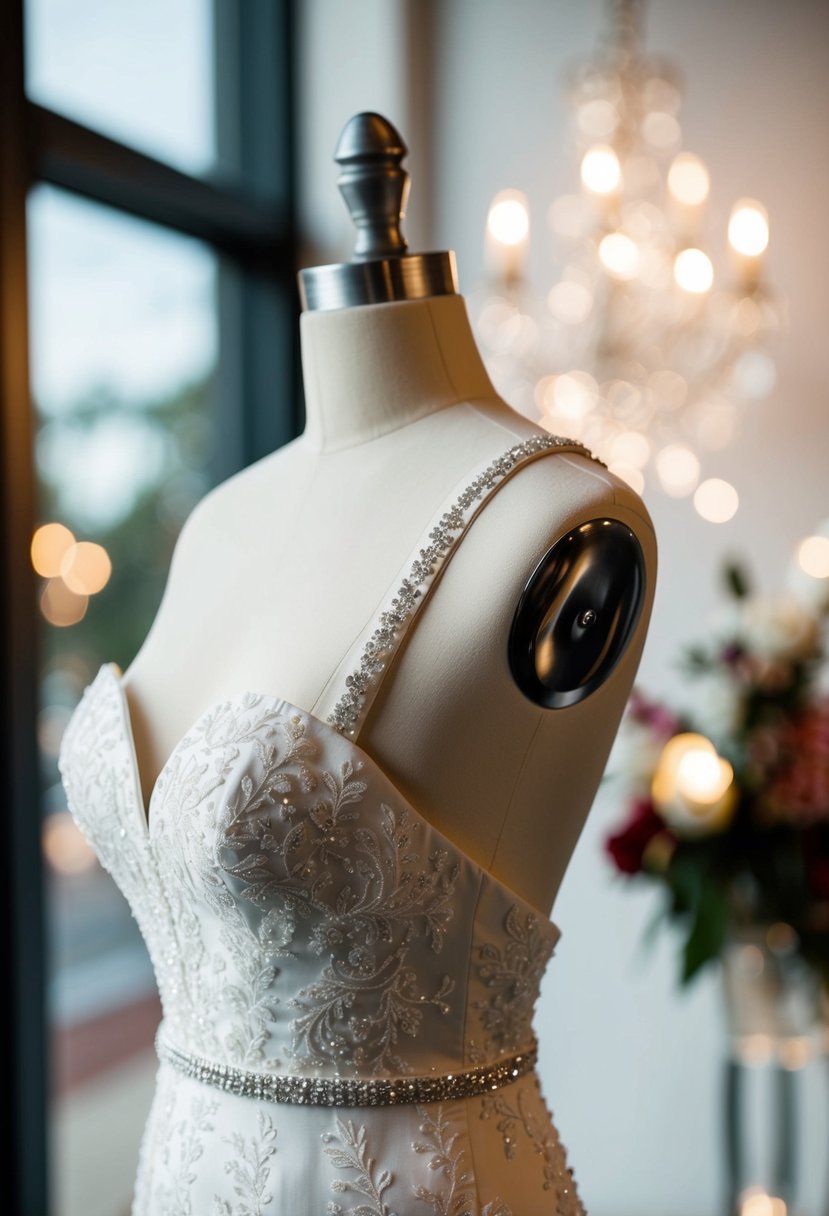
224,513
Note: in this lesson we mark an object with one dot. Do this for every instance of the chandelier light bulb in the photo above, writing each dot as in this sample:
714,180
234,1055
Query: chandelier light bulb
620,255
693,271
748,228
688,179
508,221
716,500
600,169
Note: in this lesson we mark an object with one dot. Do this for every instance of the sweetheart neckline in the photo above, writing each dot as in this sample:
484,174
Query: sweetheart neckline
143,810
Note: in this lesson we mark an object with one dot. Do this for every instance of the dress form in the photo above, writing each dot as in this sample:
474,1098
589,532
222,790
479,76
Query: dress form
277,571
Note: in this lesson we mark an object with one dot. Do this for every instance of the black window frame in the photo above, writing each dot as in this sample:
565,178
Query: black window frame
251,222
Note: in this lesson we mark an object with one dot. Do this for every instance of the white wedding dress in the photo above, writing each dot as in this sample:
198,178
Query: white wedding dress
347,995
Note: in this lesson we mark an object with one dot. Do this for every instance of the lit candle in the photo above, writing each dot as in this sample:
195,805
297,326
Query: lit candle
688,187
748,235
507,234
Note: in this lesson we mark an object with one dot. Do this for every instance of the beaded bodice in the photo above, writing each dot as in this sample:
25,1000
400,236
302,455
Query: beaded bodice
302,917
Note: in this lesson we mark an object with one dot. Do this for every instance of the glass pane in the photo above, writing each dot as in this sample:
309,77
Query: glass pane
124,359
140,72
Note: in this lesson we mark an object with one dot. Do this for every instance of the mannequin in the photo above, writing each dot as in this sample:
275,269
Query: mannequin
342,780
400,410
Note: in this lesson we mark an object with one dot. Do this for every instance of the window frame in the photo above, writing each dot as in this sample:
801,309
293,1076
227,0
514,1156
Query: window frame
252,223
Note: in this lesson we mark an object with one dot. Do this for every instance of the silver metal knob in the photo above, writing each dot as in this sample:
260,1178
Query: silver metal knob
375,187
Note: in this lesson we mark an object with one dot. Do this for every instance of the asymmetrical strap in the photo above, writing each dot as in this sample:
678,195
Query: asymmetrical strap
349,695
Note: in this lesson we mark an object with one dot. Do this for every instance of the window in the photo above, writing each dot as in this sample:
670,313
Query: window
148,164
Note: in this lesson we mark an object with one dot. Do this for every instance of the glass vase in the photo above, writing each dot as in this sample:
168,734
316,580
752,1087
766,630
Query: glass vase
776,1077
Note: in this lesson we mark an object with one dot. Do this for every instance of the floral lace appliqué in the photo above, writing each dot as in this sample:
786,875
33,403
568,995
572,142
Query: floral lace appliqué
513,973
250,1171
515,1116
348,1151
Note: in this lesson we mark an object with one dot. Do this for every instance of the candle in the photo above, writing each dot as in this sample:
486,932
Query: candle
507,234
748,235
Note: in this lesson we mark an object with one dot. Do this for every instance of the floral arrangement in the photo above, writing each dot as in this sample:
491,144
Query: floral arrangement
728,805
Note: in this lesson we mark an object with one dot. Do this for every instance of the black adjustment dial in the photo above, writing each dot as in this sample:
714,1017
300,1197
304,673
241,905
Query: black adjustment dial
577,613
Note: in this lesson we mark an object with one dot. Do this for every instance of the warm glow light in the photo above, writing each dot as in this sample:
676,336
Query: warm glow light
629,474
574,394
716,500
60,606
669,388
570,302
619,254
813,556
688,179
693,271
598,118
678,469
748,228
600,169
508,220
755,1202
754,373
49,544
86,568
64,846
664,787
661,130
702,777
630,447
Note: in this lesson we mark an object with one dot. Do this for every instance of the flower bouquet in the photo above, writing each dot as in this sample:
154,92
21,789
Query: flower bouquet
728,808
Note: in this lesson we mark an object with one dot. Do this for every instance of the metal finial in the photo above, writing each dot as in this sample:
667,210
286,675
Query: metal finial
374,185
375,188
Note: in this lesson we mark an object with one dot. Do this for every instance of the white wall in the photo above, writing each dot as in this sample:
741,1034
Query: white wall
631,1068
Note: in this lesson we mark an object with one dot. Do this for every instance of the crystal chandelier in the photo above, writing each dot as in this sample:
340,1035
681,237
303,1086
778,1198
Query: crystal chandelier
641,349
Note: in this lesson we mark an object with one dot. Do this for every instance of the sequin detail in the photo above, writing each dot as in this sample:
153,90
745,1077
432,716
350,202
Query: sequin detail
393,621
348,1091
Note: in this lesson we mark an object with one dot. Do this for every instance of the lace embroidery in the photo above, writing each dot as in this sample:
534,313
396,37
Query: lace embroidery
513,973
545,1142
457,1195
348,1150
394,620
361,891
176,1196
249,1171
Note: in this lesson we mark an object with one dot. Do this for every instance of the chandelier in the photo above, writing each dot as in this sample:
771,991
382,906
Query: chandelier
644,348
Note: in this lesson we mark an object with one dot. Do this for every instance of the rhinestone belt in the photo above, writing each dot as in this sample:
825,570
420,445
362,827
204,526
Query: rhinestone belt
348,1091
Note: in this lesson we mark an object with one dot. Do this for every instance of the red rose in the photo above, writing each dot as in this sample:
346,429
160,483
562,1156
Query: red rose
627,847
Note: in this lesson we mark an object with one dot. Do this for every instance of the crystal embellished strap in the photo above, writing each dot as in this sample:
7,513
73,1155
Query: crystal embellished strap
392,623
348,1091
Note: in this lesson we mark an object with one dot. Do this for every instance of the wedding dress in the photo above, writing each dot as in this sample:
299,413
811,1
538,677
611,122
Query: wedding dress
347,995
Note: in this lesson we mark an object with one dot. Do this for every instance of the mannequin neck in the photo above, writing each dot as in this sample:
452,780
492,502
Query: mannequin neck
374,368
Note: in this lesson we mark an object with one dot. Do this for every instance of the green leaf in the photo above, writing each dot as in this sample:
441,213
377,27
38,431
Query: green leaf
709,925
737,581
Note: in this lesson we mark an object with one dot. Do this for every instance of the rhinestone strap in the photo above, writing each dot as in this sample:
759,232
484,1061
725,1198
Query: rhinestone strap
444,535
348,1091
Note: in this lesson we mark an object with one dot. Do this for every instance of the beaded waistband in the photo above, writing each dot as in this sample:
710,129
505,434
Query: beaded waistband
348,1091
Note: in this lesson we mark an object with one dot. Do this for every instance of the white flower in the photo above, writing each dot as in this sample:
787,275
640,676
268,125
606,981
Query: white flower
717,705
778,628
635,754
